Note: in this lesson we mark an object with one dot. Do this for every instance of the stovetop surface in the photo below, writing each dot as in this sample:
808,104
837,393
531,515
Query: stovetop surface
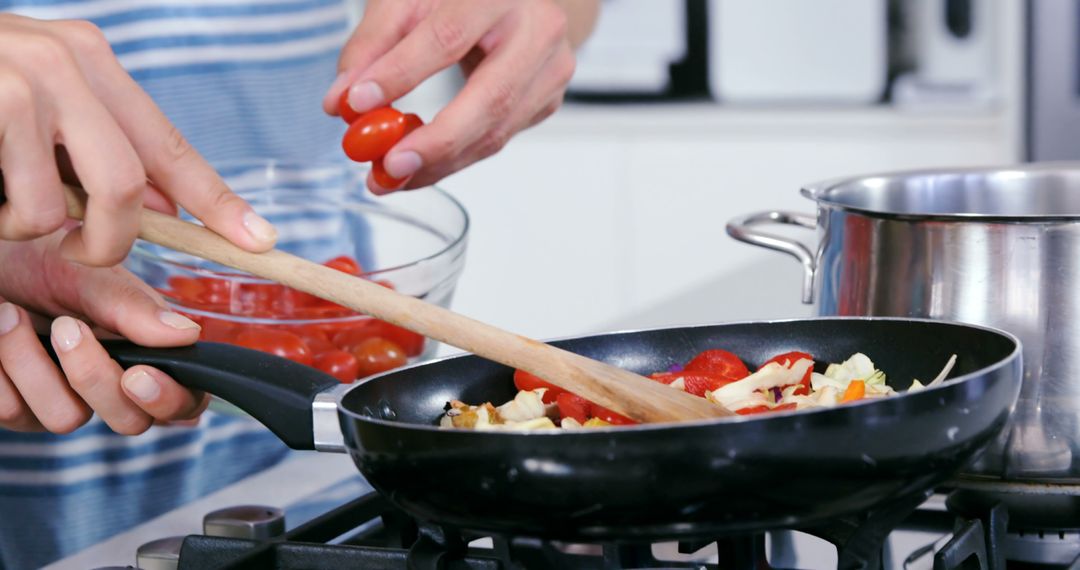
368,532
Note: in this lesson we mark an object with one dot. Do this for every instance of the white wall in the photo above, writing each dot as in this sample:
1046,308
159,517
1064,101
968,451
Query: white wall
603,213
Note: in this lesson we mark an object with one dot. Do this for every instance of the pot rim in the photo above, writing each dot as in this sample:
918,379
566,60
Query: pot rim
819,191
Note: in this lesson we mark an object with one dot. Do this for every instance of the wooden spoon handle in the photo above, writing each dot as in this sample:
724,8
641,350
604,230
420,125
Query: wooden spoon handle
624,392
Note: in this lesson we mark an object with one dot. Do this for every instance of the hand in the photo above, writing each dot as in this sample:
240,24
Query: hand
62,87
517,54
37,395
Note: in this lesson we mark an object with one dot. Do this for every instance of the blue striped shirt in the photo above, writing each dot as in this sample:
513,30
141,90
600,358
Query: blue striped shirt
241,79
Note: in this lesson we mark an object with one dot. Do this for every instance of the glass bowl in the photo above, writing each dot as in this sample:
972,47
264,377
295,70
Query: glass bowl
413,242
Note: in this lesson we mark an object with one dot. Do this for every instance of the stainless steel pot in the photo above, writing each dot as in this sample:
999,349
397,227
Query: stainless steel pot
998,247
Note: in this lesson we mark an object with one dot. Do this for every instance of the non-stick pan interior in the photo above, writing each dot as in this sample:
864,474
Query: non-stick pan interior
904,349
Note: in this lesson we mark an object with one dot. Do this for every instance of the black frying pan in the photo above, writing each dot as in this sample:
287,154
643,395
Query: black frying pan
658,481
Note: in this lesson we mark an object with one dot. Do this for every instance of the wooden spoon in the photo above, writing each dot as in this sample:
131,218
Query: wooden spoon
624,392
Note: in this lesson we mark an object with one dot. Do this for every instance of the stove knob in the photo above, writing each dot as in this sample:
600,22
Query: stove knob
163,554
247,521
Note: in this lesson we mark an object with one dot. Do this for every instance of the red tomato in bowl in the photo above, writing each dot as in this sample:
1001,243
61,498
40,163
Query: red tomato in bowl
345,264
410,342
378,355
358,332
218,330
318,344
339,364
525,381
278,342
373,133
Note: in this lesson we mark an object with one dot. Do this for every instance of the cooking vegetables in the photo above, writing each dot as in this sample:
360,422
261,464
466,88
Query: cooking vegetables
783,383
345,348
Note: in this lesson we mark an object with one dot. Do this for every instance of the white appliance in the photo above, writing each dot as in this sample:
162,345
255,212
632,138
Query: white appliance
954,41
631,48
954,45
825,51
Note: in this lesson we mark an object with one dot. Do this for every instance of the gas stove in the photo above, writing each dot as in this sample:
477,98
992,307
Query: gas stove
995,527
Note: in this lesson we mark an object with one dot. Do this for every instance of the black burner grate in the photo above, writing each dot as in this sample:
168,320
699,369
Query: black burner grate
345,537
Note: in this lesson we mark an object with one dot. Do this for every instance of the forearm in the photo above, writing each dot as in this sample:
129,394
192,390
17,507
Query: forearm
580,19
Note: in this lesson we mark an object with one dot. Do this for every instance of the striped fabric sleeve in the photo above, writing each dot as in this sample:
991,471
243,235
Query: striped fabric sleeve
241,79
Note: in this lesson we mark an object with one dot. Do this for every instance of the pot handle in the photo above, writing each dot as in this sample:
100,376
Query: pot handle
741,229
279,393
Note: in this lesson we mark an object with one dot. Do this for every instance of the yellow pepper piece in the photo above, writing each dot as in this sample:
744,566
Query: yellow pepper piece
856,389
595,422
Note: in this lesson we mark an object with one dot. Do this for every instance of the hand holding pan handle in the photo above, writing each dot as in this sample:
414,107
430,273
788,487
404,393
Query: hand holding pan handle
277,392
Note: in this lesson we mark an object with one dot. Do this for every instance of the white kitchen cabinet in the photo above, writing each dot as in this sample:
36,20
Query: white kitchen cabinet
609,215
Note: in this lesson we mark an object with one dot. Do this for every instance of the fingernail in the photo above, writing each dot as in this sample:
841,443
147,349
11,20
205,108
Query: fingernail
259,228
9,318
142,385
178,321
402,164
66,333
365,96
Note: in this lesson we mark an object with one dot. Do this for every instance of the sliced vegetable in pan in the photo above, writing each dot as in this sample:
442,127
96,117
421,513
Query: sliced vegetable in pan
785,382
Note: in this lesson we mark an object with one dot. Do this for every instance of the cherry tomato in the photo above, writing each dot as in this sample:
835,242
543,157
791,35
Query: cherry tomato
293,301
339,364
347,113
382,178
378,170
377,355
345,264
373,133
789,358
410,342
318,344
278,342
609,416
185,288
218,330
666,377
358,332
525,381
258,299
718,363
573,406
412,122
695,383
204,290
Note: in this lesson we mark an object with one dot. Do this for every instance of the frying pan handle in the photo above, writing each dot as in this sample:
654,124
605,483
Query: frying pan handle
742,229
279,393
